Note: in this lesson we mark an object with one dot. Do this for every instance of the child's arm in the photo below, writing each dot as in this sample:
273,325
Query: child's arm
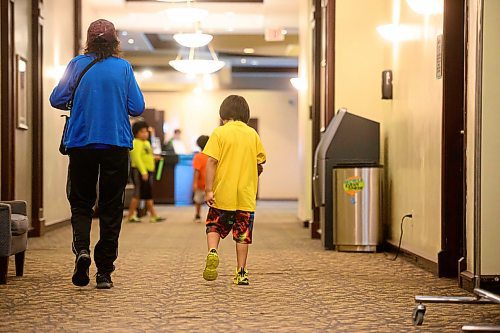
209,180
260,168
195,179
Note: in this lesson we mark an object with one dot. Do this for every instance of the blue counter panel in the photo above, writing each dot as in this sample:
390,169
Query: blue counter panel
184,181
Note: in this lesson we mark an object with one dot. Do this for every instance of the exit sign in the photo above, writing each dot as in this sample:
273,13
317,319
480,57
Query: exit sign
274,35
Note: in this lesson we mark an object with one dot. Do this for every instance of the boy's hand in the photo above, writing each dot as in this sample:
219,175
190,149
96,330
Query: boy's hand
209,198
260,168
145,177
158,157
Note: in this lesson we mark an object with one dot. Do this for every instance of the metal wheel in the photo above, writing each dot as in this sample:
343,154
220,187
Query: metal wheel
418,314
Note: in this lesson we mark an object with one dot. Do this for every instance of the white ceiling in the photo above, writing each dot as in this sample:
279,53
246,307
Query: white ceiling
223,18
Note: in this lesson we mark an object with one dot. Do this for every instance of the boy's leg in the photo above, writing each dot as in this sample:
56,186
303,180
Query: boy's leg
197,207
213,239
241,254
217,227
242,234
132,215
150,207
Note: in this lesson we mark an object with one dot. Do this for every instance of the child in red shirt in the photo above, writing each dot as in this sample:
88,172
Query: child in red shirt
199,164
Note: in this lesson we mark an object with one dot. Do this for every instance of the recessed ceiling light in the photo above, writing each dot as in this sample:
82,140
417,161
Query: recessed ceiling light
124,33
255,63
243,61
284,31
131,41
248,50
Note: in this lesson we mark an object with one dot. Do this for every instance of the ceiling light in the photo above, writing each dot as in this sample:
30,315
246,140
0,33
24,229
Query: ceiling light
284,31
196,39
299,83
131,41
124,33
243,61
426,7
197,66
248,50
398,32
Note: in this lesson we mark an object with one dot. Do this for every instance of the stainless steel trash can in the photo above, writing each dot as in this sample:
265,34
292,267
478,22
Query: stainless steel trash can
357,208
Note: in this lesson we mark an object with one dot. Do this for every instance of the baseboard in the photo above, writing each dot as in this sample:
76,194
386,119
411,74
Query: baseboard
413,258
56,226
466,281
491,283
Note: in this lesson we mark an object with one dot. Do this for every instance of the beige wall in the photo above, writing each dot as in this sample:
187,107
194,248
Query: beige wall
58,51
22,21
471,121
304,211
198,114
410,123
490,145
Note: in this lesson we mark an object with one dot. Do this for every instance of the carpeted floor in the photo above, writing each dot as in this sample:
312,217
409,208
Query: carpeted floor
296,286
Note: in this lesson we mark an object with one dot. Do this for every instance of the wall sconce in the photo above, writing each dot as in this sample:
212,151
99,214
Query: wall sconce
299,83
426,7
398,32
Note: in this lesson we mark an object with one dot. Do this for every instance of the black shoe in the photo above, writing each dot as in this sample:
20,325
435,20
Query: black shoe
104,281
81,274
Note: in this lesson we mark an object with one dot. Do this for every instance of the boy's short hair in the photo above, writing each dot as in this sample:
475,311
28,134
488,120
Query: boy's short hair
139,125
235,107
202,141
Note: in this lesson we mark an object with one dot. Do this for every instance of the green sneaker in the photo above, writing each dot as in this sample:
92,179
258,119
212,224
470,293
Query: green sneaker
241,277
134,219
212,262
155,219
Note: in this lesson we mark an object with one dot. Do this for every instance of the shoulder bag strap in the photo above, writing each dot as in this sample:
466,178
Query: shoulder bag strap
69,105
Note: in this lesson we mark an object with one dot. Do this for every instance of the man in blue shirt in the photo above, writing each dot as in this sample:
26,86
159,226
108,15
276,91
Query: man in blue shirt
98,140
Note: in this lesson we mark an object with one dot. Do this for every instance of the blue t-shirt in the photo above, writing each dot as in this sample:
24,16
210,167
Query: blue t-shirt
107,94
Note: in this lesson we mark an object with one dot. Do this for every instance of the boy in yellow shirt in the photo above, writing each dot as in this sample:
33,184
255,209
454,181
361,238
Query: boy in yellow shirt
143,166
235,157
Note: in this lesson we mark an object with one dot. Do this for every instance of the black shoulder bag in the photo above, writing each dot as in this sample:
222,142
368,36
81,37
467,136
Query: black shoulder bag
62,148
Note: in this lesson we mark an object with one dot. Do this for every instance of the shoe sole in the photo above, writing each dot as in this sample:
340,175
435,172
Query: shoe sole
210,272
104,285
81,275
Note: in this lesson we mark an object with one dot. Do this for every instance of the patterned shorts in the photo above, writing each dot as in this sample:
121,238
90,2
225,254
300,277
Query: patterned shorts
223,221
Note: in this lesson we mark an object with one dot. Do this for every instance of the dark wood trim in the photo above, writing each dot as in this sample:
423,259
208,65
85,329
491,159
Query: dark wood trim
7,103
77,26
452,171
37,119
466,280
413,258
330,61
316,102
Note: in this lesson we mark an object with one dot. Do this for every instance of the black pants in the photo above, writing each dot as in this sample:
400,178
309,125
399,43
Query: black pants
86,167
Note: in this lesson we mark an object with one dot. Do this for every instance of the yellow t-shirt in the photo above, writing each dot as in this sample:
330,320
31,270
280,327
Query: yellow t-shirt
142,156
238,149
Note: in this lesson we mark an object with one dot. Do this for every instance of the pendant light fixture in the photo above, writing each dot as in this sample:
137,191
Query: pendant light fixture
195,66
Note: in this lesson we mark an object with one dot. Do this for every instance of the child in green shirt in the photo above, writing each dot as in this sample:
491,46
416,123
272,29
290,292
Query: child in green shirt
143,167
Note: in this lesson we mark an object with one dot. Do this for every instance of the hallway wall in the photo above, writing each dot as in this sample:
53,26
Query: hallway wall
58,51
490,145
23,138
198,114
410,122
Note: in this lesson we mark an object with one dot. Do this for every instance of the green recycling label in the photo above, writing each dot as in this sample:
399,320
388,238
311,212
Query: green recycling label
353,185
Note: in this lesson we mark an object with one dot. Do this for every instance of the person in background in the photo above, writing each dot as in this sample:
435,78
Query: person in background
98,140
199,165
235,157
175,144
143,167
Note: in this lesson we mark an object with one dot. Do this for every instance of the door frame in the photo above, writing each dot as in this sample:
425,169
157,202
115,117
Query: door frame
452,256
7,104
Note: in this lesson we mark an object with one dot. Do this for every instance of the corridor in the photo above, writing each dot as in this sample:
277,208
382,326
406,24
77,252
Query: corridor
295,286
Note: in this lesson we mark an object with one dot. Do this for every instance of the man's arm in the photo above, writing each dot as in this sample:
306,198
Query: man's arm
209,180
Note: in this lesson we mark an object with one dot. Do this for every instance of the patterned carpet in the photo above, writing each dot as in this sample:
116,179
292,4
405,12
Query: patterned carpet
295,286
